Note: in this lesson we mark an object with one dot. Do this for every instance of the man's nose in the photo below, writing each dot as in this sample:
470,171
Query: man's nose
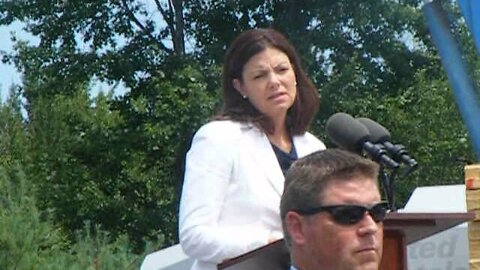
367,225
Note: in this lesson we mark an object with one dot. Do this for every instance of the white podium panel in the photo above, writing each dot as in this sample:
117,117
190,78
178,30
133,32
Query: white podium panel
447,250
171,258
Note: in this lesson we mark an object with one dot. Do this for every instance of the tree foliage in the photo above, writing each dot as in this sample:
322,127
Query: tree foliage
113,40
29,239
117,168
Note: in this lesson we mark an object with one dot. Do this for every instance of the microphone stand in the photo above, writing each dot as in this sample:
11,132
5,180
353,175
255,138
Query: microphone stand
388,181
378,153
388,184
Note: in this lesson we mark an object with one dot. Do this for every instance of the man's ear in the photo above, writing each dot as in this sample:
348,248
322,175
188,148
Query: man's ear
296,225
237,84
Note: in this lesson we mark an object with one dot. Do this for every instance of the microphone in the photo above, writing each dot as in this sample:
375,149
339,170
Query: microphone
348,133
379,134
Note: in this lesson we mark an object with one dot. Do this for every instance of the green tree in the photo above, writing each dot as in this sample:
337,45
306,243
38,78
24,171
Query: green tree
114,40
425,119
117,168
12,131
30,240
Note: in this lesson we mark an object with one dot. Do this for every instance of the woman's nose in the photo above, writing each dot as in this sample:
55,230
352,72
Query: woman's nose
274,80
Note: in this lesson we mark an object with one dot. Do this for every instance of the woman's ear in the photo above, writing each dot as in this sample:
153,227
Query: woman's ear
237,84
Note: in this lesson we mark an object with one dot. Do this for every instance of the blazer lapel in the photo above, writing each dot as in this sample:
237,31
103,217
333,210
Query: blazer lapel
300,146
266,159
305,146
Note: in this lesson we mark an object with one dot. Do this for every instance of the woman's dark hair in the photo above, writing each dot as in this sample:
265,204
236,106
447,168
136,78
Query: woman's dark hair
236,108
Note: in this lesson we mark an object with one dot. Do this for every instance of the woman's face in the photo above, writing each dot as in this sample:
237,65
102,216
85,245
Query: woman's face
268,81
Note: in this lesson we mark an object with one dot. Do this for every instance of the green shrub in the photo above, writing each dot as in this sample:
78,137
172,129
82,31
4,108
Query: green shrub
30,240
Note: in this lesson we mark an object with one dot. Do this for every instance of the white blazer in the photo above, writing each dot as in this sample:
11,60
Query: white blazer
231,192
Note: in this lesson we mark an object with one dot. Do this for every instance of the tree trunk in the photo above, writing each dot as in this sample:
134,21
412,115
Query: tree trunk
178,35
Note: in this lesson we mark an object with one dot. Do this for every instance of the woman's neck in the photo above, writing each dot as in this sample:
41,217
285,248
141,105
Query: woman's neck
281,138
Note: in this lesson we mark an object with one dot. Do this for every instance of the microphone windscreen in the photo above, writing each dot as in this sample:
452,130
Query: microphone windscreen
378,133
346,132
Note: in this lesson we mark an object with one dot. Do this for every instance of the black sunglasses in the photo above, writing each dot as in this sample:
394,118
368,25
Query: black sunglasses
349,214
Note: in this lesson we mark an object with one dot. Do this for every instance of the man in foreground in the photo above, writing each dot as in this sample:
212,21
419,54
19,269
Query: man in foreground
332,212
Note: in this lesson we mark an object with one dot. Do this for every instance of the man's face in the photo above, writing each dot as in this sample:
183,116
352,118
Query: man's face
344,247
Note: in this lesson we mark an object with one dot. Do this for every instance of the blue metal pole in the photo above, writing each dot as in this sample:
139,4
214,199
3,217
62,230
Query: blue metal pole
463,88
471,13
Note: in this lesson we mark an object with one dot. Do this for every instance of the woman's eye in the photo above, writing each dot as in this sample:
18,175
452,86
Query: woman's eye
283,69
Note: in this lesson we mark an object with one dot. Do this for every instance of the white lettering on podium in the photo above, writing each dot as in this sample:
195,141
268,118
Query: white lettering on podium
443,252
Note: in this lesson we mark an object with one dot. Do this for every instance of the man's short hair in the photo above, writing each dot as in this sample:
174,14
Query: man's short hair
308,177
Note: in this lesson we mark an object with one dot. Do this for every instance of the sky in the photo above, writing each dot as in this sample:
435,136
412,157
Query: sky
8,73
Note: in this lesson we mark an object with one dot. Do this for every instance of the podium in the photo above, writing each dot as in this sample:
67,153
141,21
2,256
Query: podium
400,229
